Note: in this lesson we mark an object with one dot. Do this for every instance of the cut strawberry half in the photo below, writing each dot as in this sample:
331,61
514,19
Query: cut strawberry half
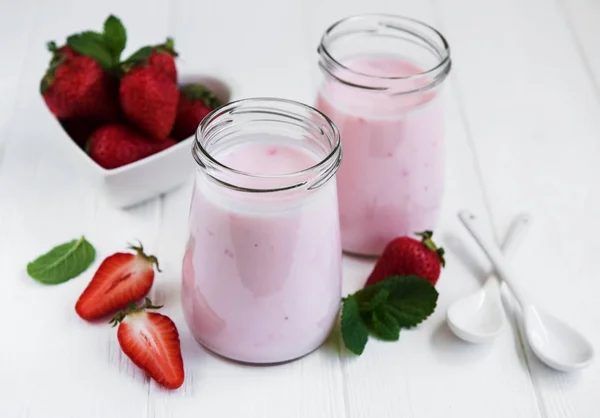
121,279
151,341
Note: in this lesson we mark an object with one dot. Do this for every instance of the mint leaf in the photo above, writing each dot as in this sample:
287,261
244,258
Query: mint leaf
384,308
385,326
412,300
93,46
63,262
378,299
354,330
115,37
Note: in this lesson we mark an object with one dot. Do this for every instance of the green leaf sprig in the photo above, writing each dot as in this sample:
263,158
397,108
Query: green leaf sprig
105,47
384,308
63,262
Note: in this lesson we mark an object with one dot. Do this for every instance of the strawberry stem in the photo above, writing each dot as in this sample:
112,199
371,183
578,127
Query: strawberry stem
140,251
168,47
52,46
57,59
428,242
200,92
133,308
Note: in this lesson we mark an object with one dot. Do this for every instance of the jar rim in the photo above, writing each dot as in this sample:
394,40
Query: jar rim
324,169
442,48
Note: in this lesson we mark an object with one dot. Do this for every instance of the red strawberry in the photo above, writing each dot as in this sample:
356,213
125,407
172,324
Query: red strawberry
406,255
162,59
65,50
149,100
195,102
114,146
121,279
151,341
76,86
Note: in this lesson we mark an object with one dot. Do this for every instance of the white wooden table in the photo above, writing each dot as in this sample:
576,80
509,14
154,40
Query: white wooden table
523,134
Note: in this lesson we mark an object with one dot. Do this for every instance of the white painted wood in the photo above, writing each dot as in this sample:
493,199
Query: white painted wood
582,17
53,364
533,111
519,98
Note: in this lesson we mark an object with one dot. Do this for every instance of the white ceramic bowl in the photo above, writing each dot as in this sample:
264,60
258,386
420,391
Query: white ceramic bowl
147,178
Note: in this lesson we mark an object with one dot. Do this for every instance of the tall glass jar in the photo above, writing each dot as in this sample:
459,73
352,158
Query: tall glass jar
380,84
262,268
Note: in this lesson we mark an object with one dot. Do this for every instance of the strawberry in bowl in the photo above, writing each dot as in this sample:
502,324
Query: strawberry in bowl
130,132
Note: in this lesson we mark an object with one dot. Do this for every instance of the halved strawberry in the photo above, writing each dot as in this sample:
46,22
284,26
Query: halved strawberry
151,341
121,279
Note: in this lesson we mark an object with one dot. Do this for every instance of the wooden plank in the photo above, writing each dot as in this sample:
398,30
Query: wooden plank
14,20
582,17
532,108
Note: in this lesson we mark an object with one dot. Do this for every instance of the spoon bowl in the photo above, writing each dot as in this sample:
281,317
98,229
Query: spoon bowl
554,342
479,317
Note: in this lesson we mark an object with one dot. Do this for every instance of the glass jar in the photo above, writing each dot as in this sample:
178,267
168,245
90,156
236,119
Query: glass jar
262,267
380,84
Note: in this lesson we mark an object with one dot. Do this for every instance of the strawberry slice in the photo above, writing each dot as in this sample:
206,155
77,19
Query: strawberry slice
121,279
151,341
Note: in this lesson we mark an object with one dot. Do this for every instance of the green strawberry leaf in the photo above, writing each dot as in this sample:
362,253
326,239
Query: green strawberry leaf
201,92
354,331
63,262
168,47
384,325
92,45
95,36
141,54
115,37
139,57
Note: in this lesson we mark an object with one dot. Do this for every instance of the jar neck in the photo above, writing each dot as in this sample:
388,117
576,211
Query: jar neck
292,124
361,38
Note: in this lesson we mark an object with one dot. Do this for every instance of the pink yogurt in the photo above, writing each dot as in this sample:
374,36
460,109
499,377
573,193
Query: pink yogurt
391,180
262,271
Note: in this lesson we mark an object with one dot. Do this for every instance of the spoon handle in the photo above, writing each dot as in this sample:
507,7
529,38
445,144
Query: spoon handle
498,260
516,233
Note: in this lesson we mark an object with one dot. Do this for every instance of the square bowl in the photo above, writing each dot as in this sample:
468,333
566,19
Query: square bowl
149,177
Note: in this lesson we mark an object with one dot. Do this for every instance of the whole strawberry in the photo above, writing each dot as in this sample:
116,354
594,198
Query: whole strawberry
195,102
163,57
76,86
408,256
114,146
149,100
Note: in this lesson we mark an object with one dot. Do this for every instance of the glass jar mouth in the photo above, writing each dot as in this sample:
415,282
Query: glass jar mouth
389,26
264,111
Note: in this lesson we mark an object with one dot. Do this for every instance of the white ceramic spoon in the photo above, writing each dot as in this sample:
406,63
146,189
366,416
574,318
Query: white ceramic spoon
556,343
479,317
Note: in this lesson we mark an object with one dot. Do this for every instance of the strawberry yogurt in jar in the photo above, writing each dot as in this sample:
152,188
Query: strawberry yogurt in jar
262,267
380,84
